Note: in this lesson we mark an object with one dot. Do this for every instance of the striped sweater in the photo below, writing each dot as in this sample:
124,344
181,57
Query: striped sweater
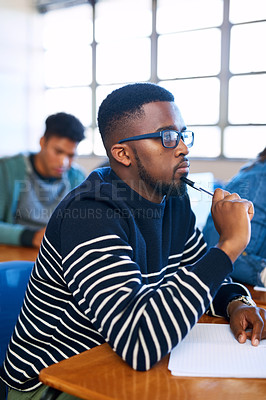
115,267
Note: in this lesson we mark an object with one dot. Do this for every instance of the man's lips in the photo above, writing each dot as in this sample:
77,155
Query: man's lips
59,170
182,167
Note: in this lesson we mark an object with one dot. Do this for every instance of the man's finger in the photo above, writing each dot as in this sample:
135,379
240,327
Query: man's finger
239,333
251,210
220,194
248,206
256,333
251,321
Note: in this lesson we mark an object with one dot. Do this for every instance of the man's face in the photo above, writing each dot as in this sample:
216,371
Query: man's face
158,168
55,157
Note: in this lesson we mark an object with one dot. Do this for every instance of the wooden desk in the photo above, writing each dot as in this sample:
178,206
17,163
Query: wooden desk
259,298
11,253
100,374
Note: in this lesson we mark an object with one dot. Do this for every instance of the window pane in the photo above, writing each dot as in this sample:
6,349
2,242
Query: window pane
76,101
86,146
67,37
71,26
198,99
124,61
246,94
176,16
244,141
245,56
102,92
192,54
247,10
126,18
68,67
98,148
207,141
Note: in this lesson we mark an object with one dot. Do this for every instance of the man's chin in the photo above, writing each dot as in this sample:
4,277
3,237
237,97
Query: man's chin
176,190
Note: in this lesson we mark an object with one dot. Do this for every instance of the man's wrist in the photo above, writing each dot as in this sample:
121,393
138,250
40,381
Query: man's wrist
231,250
238,300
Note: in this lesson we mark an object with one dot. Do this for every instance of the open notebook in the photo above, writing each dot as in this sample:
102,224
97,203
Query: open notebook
211,350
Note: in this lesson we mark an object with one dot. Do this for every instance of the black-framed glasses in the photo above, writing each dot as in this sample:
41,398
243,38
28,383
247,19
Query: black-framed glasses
169,137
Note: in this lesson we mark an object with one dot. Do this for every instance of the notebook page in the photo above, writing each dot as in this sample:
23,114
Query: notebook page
260,288
211,350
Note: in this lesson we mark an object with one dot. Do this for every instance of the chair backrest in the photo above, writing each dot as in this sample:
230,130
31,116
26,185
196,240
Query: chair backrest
14,277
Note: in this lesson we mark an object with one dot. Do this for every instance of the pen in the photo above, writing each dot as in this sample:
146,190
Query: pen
195,185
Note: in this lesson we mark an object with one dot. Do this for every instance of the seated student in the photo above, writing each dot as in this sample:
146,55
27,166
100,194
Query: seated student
121,261
32,185
250,182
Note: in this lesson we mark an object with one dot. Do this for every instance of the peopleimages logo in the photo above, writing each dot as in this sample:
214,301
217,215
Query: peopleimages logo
109,213
118,190
54,193
33,214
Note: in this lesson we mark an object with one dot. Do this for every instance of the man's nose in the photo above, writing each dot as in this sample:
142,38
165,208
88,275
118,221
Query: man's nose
181,149
64,161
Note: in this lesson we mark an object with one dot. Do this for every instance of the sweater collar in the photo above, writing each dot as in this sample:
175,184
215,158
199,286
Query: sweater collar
123,192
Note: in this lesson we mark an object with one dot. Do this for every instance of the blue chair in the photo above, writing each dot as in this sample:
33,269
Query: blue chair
14,277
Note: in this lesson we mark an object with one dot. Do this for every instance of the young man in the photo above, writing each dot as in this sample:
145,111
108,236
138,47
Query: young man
121,260
32,185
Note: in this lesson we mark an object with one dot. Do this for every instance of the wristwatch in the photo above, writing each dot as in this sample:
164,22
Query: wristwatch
245,299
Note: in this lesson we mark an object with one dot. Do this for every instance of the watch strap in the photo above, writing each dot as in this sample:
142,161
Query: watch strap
245,299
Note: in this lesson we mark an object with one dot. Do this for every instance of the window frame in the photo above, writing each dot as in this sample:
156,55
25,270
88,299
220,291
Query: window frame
224,76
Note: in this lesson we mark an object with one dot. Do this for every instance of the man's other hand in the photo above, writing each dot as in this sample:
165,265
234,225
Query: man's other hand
247,322
37,238
232,216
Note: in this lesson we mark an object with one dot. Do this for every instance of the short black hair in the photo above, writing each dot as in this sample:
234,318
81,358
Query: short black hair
64,125
124,104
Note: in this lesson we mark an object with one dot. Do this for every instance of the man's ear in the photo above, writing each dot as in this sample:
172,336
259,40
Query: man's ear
121,154
42,142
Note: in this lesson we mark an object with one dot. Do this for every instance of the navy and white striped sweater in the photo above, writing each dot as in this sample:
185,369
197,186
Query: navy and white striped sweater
115,267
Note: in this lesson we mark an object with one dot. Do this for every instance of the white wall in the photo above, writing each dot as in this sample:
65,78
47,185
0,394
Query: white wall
21,75
222,170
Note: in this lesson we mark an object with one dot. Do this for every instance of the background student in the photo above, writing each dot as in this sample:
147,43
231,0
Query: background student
250,182
33,184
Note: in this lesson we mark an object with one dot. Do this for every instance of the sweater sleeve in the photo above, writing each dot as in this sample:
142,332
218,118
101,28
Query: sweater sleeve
12,171
228,289
141,321
10,233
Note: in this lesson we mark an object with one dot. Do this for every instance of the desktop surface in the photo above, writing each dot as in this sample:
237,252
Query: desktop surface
12,253
100,374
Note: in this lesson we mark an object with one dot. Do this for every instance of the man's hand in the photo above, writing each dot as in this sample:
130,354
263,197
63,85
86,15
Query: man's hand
231,217
37,238
247,322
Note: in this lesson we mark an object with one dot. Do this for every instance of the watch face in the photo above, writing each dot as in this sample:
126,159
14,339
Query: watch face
245,299
248,300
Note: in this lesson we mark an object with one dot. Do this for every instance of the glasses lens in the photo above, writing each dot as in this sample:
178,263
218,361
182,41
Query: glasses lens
188,138
170,138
